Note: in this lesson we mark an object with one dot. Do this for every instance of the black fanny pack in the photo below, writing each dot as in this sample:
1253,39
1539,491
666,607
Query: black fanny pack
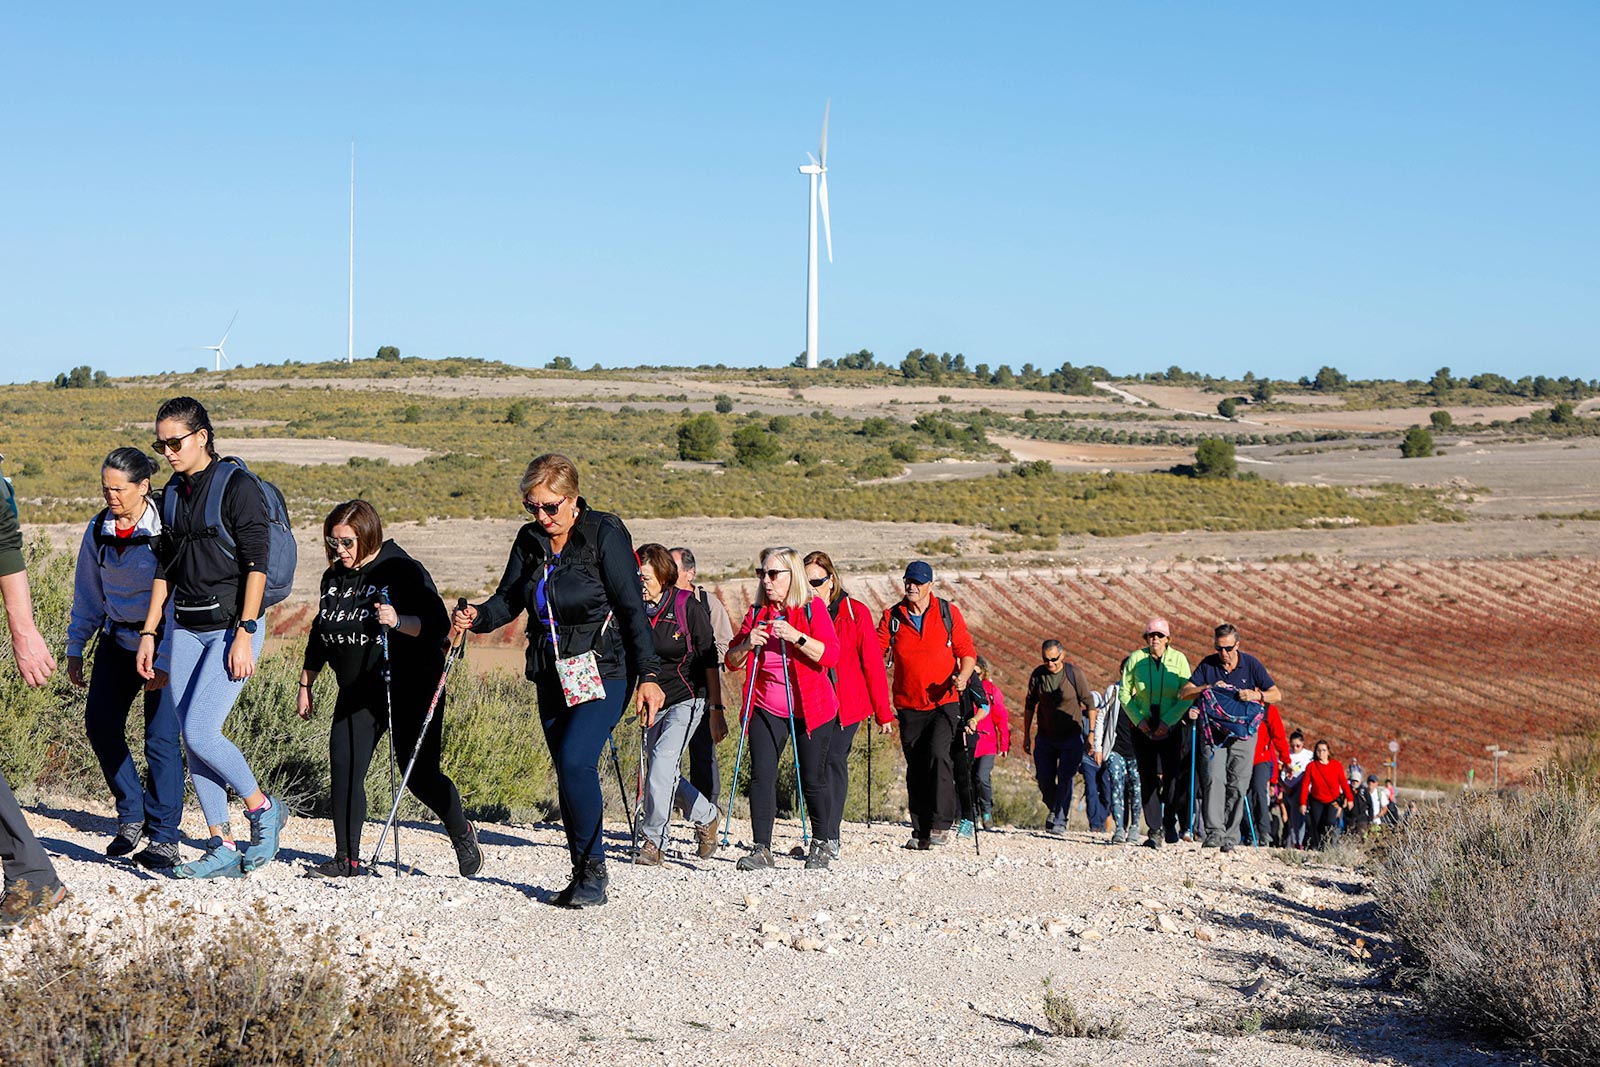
205,613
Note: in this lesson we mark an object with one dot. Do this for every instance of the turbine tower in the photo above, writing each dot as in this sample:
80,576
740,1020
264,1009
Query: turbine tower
817,171
350,352
222,357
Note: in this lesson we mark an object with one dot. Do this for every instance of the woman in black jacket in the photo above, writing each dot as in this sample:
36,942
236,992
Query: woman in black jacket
372,585
573,570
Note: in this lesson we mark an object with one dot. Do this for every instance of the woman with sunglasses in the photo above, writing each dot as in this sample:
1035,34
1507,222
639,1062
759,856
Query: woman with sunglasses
372,591
790,641
860,682
572,569
217,633
111,598
691,678
1151,679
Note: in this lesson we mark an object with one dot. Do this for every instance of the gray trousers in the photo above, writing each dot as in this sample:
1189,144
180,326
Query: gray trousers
666,742
1226,782
24,858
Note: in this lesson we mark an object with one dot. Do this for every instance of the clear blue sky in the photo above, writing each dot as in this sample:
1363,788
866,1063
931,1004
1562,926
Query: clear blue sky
1382,187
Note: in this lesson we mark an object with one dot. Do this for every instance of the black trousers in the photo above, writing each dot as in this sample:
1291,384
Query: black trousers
1259,820
838,759
704,773
769,736
926,738
359,723
24,858
1322,817
962,766
1164,774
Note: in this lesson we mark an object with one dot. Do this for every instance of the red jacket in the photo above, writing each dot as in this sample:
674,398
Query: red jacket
1325,782
862,685
994,729
924,663
1272,737
809,681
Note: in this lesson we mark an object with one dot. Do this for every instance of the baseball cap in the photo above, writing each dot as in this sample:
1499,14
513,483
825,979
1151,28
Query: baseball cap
1157,625
919,572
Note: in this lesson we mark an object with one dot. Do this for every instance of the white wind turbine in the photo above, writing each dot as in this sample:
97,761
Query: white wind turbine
817,171
217,348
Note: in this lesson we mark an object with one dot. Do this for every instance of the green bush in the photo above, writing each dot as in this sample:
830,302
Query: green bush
904,451
1214,458
1441,421
1227,407
723,403
699,437
755,447
1418,443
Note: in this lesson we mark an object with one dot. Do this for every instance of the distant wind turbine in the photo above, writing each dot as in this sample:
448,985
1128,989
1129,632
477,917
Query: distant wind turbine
350,352
217,348
817,171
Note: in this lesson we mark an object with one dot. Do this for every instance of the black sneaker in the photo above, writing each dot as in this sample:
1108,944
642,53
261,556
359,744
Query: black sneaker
158,856
1227,846
338,867
916,844
819,857
1153,841
129,834
757,859
469,857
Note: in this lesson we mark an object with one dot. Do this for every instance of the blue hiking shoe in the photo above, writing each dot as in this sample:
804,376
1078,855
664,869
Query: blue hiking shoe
220,861
965,829
265,825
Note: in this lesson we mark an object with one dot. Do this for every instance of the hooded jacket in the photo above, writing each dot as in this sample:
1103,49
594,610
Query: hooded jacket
595,576
111,585
994,729
861,681
344,634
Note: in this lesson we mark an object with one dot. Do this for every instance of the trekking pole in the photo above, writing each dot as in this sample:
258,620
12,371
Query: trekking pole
438,693
638,800
1193,781
794,743
388,711
744,730
872,724
1249,818
622,790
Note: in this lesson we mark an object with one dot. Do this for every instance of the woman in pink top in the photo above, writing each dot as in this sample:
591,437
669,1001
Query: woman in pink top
790,640
860,680
994,738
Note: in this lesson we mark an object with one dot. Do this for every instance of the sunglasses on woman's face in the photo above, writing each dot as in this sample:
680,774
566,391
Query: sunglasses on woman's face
772,573
817,583
172,444
550,509
337,543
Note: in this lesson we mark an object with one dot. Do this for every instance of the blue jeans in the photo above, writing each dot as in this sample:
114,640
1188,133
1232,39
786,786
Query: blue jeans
1096,792
576,737
113,685
1055,761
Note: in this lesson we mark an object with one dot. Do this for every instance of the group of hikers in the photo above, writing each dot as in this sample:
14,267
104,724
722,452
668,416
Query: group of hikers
169,601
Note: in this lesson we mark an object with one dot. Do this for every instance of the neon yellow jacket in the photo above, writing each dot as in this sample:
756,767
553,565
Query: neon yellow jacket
1151,686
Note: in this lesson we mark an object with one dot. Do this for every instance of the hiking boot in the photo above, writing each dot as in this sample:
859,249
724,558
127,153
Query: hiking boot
705,838
1227,846
219,861
338,867
21,904
1119,837
916,844
820,856
127,839
965,830
938,839
833,848
265,825
1211,842
469,857
158,856
589,885
757,859
563,899
649,855
1056,831
1153,841
988,819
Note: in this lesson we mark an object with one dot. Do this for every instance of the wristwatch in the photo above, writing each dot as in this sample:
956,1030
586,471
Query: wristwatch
249,626
800,642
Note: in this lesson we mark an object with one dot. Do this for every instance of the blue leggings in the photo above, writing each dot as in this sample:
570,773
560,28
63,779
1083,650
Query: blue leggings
199,687
576,737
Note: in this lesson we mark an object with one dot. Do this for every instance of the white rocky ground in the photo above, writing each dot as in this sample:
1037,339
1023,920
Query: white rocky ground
890,957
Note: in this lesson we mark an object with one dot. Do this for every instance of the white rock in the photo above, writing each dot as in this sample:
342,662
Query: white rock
1167,923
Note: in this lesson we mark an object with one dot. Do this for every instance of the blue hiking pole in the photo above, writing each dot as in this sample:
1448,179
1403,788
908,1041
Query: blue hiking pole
744,730
1255,840
794,743
1193,781
388,711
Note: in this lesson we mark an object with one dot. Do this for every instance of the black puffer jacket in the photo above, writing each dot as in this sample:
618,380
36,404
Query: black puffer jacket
596,574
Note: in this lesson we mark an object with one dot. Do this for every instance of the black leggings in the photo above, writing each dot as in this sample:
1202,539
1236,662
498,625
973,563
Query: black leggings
1322,817
838,779
1164,772
769,736
358,726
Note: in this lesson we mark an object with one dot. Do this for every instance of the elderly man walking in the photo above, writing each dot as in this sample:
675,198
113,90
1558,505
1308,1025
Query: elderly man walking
1229,759
933,658
1057,694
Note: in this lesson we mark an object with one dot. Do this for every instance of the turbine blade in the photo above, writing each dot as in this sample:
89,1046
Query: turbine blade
813,159
827,230
229,330
822,150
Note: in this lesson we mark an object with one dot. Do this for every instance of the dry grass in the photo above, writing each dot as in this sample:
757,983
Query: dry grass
1497,899
157,988
1064,1019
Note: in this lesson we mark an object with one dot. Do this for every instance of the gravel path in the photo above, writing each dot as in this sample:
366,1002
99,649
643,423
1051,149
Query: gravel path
890,957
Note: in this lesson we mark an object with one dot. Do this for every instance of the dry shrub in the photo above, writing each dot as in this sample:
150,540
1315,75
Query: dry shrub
155,988
1061,1015
1496,898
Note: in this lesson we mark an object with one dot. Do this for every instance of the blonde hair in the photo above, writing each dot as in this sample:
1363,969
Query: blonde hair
799,589
554,471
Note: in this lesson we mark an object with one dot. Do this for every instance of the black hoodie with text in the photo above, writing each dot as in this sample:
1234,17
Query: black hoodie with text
344,634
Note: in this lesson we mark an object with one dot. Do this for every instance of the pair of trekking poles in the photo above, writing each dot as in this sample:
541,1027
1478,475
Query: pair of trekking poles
1194,785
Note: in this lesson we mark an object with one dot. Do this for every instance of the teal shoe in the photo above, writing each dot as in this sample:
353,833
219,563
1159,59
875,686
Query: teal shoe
220,861
965,829
264,829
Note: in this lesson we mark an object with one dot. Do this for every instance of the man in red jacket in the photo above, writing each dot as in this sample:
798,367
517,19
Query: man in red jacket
932,664
1270,740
